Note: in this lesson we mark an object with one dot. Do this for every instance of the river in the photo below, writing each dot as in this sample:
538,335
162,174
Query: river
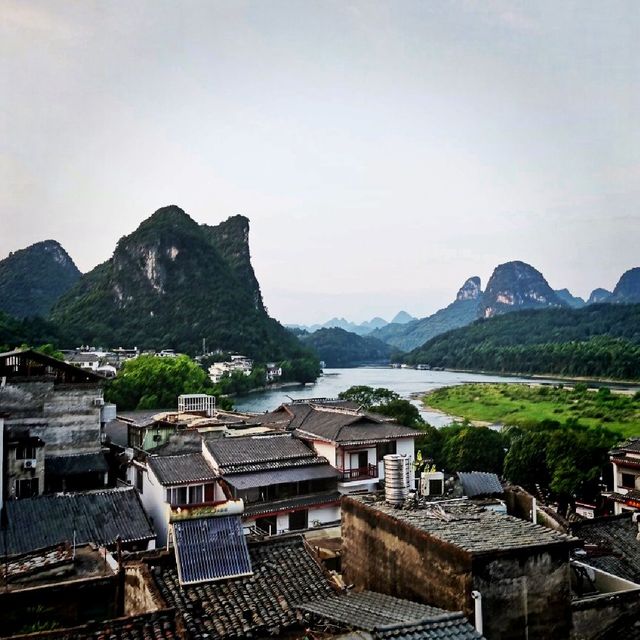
406,382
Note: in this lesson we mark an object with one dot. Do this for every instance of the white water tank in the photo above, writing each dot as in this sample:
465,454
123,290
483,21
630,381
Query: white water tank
397,478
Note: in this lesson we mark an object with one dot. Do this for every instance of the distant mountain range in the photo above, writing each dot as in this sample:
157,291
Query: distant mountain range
169,284
340,348
362,329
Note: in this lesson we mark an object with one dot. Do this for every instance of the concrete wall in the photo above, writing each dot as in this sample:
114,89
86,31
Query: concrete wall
592,616
153,498
65,416
15,471
525,595
526,592
383,554
326,450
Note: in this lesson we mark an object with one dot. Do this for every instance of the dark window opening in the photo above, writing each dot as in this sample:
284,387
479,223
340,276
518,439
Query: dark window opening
299,520
385,449
25,452
27,488
628,481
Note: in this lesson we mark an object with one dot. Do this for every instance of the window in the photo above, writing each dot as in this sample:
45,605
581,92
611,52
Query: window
177,496
385,449
628,480
25,452
299,520
27,488
195,494
139,479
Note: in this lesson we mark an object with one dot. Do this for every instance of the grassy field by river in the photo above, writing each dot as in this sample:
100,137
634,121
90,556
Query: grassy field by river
521,404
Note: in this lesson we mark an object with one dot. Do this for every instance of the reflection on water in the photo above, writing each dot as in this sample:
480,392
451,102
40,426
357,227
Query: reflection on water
405,382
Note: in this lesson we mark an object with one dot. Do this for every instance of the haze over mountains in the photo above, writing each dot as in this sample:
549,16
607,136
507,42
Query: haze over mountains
173,282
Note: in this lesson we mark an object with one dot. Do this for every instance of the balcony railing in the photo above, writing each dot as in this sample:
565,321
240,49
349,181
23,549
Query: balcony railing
359,473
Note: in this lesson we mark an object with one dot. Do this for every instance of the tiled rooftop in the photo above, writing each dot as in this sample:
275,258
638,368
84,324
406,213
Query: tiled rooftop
254,453
368,610
451,626
181,469
479,483
467,526
284,575
76,464
94,516
160,625
617,549
299,502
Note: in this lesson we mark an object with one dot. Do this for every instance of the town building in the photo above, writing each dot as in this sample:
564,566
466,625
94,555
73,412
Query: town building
353,441
626,476
236,363
454,555
54,427
284,483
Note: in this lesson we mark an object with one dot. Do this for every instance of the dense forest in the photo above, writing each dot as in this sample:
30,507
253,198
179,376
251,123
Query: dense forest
597,341
340,348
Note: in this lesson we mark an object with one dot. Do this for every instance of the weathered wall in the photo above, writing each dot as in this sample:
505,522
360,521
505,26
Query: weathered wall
140,593
382,554
64,416
15,471
594,615
525,595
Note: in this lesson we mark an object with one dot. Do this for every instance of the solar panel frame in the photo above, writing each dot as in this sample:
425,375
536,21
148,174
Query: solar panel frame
210,549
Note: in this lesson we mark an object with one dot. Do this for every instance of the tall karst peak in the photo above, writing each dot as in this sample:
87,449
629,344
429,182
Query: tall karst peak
628,288
599,295
171,283
471,289
32,279
517,285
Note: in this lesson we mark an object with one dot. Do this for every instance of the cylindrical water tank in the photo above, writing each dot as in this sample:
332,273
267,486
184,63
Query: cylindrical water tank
396,478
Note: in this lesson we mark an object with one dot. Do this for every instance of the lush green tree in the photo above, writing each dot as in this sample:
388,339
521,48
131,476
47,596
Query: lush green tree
152,382
469,448
385,402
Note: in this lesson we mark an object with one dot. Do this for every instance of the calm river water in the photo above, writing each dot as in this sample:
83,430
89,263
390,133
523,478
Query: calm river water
403,381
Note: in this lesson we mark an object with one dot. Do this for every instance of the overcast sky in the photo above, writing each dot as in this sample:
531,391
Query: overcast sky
383,151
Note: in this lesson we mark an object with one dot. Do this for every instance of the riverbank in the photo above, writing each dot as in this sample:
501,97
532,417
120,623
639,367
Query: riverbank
531,403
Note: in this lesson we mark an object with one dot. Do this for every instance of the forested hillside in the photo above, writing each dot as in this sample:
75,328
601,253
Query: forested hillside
598,340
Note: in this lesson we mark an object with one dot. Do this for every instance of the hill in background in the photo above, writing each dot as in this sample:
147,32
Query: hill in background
33,279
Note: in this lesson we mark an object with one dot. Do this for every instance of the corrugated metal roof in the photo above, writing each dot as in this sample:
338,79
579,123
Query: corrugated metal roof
479,483
95,516
280,476
210,549
181,469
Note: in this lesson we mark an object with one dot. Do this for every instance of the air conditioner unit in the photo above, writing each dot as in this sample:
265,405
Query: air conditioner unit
30,463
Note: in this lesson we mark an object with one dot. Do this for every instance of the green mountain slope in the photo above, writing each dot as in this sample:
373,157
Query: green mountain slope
32,279
598,340
172,283
340,348
461,312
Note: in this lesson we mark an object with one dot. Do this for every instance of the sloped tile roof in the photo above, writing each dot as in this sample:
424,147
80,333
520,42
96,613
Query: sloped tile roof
618,549
284,575
279,476
340,426
95,516
299,502
253,453
159,625
76,464
181,469
451,626
368,610
479,483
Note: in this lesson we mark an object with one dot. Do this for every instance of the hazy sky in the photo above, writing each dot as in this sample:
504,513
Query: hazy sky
384,151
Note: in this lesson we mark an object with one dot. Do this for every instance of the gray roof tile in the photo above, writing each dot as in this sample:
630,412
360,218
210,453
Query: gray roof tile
262,508
95,516
284,575
76,464
451,626
181,469
480,483
468,527
279,476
